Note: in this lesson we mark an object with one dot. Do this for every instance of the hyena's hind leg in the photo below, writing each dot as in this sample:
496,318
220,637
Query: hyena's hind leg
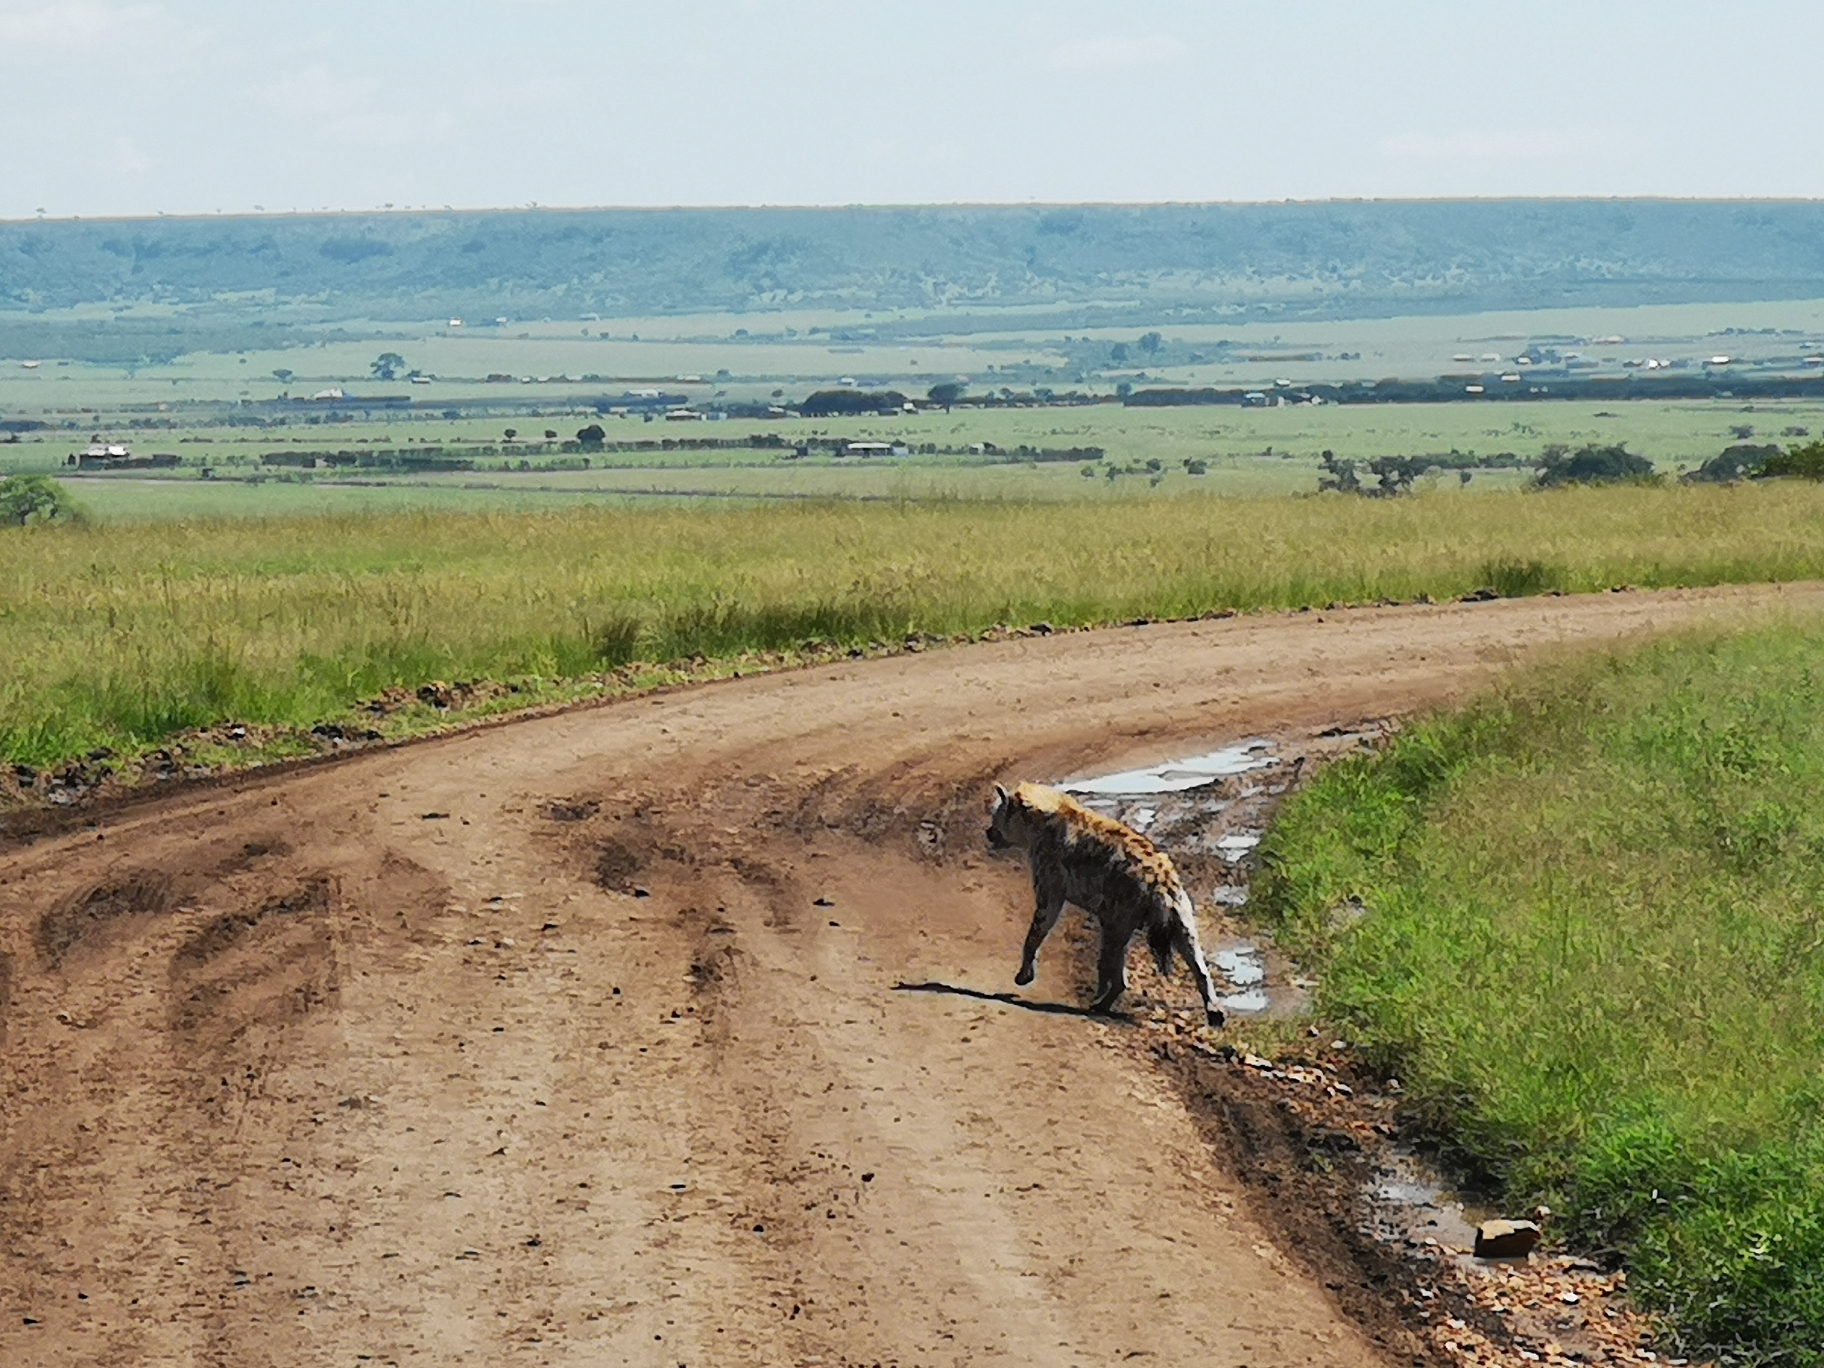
1111,967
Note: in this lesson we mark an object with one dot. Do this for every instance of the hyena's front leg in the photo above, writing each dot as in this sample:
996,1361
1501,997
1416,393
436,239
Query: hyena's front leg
1048,895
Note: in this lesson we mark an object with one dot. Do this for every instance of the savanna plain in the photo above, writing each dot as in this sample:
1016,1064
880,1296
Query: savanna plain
1570,903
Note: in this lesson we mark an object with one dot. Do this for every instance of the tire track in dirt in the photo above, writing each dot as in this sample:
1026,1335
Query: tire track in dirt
576,1040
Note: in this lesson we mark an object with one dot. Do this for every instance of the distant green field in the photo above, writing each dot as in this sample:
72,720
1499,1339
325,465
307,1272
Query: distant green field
1248,451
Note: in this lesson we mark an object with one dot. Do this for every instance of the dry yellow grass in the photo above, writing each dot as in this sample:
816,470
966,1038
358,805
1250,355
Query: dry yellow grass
119,635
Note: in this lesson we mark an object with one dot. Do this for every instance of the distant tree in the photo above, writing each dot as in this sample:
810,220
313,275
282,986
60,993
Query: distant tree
33,499
1341,475
945,393
1118,353
1743,461
1593,464
1150,343
387,366
1741,431
828,403
591,437
283,376
550,434
512,433
1805,462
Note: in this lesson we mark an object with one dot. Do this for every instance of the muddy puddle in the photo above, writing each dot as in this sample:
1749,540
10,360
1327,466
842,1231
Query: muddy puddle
1209,813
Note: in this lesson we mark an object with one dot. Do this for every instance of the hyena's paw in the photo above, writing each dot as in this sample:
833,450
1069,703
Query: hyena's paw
1217,1018
1024,977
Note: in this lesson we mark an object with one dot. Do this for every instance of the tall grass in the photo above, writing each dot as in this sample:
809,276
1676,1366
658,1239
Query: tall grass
1584,922
120,634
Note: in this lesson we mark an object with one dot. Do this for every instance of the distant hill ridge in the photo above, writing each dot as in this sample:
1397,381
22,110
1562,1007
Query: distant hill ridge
1327,259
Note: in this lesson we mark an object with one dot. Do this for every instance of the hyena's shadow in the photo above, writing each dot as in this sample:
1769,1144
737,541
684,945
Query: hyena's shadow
1014,1000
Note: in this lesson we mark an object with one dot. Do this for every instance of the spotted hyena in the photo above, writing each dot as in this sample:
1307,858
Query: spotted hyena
1113,873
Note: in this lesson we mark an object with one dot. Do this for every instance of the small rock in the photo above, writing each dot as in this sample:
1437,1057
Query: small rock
1506,1239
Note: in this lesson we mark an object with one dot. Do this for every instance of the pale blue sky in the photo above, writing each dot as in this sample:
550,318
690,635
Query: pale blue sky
186,106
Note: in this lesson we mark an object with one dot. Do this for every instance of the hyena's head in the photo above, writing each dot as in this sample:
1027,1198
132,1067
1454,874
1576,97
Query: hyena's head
1009,820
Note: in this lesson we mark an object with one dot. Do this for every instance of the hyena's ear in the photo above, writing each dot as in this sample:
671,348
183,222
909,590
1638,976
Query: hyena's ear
1000,794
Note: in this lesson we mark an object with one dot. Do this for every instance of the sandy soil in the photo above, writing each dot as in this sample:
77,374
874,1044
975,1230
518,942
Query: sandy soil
576,1040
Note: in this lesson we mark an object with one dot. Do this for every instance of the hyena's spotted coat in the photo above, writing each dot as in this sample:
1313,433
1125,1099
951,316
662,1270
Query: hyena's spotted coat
1113,873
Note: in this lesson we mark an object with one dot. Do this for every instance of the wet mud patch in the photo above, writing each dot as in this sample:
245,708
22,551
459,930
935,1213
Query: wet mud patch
1208,813
1318,1140
224,932
266,967
250,853
616,866
571,809
1308,1153
714,959
91,915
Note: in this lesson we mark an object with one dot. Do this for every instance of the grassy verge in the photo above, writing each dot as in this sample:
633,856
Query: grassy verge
1583,921
123,635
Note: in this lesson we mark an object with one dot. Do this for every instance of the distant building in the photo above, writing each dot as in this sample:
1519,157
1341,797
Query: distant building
117,456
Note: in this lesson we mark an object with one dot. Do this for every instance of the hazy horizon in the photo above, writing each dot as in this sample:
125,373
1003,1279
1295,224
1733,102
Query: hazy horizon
469,209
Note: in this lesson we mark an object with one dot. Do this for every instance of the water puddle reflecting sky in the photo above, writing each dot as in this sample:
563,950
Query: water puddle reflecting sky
1209,805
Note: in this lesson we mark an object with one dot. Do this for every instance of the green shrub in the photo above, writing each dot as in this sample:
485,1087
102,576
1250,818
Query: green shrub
1592,464
27,499
1743,461
1805,462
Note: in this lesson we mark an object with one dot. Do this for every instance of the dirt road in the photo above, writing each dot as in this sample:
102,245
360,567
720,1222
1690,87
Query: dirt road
576,1041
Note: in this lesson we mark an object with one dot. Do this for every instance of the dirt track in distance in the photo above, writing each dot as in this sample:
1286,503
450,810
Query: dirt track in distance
575,1040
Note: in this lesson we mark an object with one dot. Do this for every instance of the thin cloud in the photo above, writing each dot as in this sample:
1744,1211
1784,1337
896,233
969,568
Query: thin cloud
1114,54
31,25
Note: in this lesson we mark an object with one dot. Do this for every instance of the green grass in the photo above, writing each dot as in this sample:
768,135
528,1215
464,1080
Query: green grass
1583,921
123,634
1672,434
